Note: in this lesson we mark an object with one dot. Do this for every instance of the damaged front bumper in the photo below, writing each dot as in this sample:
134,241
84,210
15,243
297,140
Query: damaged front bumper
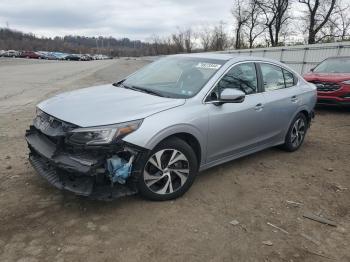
82,171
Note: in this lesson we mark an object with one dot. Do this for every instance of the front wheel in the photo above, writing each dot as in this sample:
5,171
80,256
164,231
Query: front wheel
296,133
169,170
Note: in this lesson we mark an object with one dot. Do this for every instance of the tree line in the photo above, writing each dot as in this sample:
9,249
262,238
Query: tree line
16,40
272,22
255,23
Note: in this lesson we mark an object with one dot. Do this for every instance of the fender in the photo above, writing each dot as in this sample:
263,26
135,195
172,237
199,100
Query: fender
176,129
300,108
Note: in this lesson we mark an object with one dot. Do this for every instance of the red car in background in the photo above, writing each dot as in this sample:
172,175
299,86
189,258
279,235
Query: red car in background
30,54
332,79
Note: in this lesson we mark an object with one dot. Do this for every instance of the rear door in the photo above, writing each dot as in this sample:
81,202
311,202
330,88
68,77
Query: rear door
281,99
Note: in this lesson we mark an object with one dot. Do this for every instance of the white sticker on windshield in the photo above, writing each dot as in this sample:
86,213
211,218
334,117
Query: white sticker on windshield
208,66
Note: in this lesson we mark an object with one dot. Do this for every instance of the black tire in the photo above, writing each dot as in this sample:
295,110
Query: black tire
165,150
290,144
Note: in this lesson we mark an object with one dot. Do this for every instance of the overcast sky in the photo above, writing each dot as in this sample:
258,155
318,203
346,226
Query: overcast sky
136,19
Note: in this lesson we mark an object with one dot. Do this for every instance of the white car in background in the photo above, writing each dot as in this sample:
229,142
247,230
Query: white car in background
11,53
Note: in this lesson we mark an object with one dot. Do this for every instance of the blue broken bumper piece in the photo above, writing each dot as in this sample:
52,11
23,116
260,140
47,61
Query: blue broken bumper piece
119,169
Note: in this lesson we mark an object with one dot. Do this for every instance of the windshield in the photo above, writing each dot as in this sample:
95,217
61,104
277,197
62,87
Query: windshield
174,77
334,65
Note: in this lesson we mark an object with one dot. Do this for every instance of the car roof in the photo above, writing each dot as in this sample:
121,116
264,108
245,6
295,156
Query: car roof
335,57
229,56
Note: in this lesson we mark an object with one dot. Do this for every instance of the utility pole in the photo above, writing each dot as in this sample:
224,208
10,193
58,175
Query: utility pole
97,46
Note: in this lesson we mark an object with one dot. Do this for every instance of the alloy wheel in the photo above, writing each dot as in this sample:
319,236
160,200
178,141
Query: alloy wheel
298,132
166,171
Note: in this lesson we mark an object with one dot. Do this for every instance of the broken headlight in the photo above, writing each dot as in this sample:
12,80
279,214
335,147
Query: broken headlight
102,134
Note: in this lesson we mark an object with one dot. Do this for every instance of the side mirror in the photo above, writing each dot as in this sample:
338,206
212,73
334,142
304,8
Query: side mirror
230,95
312,69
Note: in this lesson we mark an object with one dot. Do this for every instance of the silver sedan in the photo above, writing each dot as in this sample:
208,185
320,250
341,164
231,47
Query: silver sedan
153,132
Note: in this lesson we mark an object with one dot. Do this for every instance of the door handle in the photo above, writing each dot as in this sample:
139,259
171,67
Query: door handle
294,99
259,107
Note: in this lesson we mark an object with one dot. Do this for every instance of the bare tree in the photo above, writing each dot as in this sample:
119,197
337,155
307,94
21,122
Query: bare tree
219,38
156,41
241,16
169,47
179,41
339,23
318,14
254,24
275,17
344,19
205,38
189,38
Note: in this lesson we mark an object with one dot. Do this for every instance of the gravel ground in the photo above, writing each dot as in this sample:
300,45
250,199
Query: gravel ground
40,223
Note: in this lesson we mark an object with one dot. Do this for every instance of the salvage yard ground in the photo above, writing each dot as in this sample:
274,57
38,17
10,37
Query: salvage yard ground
240,211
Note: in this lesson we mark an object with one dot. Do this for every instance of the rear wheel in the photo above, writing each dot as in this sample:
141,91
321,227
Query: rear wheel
296,133
168,171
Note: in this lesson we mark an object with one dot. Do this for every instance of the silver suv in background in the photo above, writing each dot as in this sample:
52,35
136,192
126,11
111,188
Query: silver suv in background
153,132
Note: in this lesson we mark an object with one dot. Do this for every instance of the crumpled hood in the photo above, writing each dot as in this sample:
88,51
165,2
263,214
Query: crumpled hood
105,105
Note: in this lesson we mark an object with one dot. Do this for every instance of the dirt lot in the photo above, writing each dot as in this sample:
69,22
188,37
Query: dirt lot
40,223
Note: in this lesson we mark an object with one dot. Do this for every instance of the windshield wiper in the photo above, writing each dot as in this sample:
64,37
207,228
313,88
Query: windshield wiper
120,83
148,91
144,90
140,89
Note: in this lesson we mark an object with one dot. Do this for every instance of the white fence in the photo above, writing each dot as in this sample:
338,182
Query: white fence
301,58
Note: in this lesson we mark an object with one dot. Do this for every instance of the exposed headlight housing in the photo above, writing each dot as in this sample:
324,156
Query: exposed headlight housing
103,134
347,82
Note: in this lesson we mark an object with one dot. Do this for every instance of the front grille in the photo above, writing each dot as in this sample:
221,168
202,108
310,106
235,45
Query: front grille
326,101
326,86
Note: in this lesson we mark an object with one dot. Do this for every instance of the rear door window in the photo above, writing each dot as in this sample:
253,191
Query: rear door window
273,78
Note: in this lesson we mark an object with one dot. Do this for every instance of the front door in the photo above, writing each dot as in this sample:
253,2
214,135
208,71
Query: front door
236,127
